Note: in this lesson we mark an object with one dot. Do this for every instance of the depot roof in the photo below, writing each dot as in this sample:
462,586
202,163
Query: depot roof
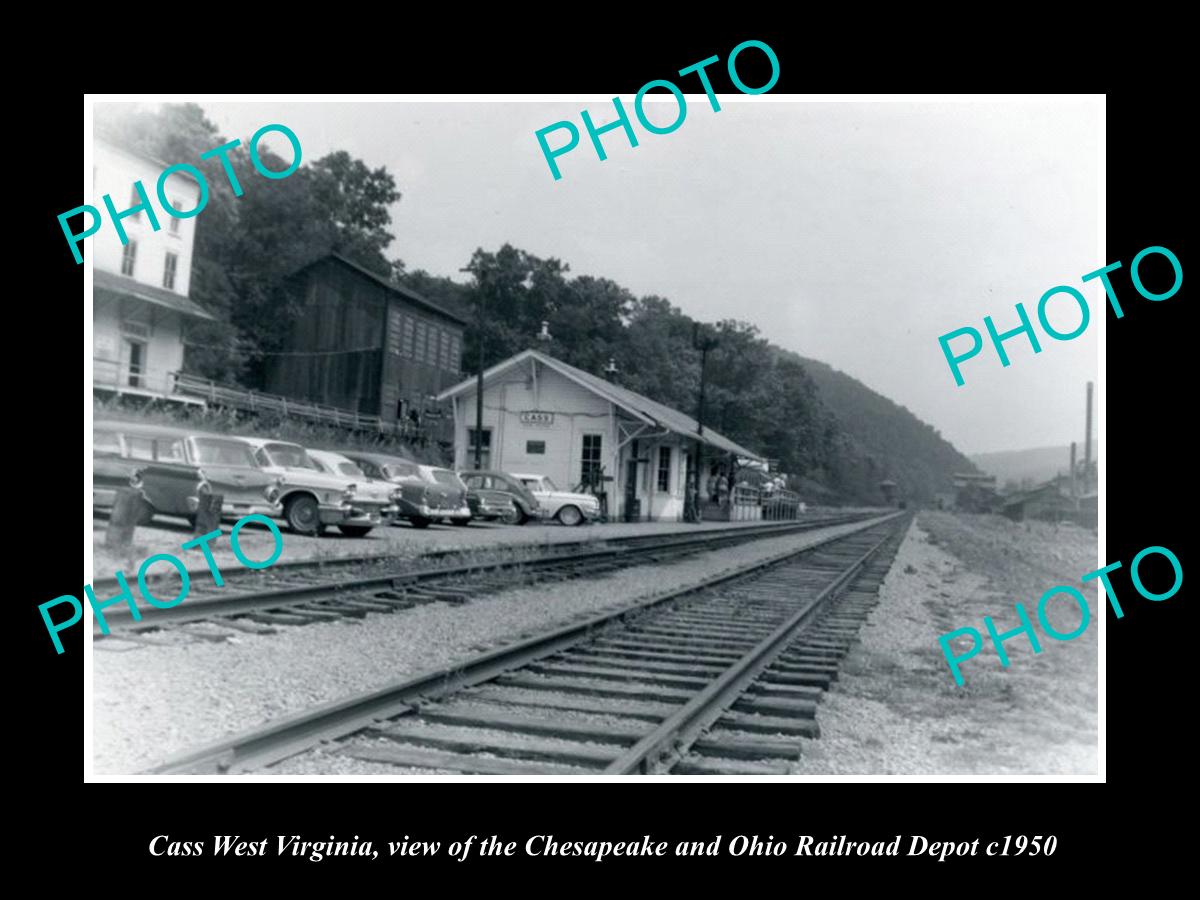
640,407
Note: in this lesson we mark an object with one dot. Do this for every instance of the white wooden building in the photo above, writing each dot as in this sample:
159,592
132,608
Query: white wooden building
543,416
140,306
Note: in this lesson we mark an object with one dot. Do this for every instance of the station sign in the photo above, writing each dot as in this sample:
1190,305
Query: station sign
536,417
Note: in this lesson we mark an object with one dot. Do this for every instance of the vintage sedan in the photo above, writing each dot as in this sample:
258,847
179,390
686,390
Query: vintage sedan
498,489
373,490
177,467
427,493
113,468
565,506
313,498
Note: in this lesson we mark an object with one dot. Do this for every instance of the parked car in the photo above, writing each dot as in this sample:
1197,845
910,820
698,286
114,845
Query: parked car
313,498
427,493
175,467
112,469
568,507
522,505
370,490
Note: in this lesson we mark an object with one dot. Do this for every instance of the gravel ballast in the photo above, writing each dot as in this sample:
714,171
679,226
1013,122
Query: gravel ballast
896,710
203,691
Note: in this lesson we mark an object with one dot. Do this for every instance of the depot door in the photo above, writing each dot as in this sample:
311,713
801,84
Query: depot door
633,510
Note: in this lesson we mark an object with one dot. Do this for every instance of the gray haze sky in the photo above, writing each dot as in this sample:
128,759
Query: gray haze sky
853,233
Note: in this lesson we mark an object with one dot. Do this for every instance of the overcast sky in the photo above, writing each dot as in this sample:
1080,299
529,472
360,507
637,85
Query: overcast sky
853,233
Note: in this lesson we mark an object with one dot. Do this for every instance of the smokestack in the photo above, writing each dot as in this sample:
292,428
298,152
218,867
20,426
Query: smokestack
1072,469
1087,442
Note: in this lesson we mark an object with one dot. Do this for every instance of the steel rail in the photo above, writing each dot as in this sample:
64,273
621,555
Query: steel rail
300,566
278,740
120,618
669,741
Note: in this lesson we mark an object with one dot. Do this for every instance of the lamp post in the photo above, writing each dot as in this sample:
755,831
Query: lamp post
704,345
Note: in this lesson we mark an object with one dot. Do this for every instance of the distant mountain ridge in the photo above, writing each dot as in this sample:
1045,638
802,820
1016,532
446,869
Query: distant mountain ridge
884,440
1035,463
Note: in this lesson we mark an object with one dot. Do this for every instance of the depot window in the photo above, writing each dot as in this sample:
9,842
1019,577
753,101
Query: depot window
535,448
664,468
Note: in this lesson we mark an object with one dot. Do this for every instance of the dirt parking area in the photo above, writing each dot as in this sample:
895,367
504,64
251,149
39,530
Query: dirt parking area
896,708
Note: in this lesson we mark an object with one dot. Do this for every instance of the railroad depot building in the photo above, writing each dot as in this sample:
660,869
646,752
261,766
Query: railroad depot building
545,417
141,307
366,345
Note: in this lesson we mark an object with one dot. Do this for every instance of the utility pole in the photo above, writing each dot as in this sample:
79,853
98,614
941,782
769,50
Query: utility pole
704,345
479,385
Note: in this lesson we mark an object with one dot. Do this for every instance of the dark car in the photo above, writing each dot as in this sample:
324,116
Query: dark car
427,493
113,466
525,505
174,467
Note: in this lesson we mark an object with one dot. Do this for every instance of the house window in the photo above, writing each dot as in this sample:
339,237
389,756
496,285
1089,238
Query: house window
169,271
455,354
446,351
135,200
128,258
664,468
590,459
485,457
174,227
535,448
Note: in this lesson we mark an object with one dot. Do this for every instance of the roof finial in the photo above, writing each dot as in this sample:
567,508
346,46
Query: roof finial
544,335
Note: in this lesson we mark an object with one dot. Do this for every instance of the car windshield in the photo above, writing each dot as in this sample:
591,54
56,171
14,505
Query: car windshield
222,453
445,476
400,470
540,484
349,468
290,456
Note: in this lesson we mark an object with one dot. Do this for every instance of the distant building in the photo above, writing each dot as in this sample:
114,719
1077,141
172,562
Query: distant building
1049,501
543,416
973,492
140,308
363,344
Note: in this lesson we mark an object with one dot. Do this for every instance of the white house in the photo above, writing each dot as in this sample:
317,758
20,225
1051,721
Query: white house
543,416
140,303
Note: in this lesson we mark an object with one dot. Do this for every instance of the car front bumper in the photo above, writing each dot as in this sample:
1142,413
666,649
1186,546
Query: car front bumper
359,513
237,509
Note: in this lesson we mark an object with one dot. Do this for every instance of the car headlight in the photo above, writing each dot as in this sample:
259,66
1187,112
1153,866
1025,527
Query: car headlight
350,489
203,487
396,495
135,479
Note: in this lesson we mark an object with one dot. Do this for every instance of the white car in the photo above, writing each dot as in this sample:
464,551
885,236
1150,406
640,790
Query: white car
313,498
568,507
369,490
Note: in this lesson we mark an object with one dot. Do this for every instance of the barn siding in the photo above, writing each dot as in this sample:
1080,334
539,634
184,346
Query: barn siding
362,335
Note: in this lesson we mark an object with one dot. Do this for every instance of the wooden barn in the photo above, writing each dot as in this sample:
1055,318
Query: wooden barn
366,345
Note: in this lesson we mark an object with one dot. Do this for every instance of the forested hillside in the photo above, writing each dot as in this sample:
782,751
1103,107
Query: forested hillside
884,439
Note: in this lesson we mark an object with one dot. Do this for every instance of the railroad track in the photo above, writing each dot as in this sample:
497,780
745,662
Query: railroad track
723,678
313,592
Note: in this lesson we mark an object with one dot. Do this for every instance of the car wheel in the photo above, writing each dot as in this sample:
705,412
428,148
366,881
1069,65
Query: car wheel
303,515
355,530
513,516
461,522
420,522
570,515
